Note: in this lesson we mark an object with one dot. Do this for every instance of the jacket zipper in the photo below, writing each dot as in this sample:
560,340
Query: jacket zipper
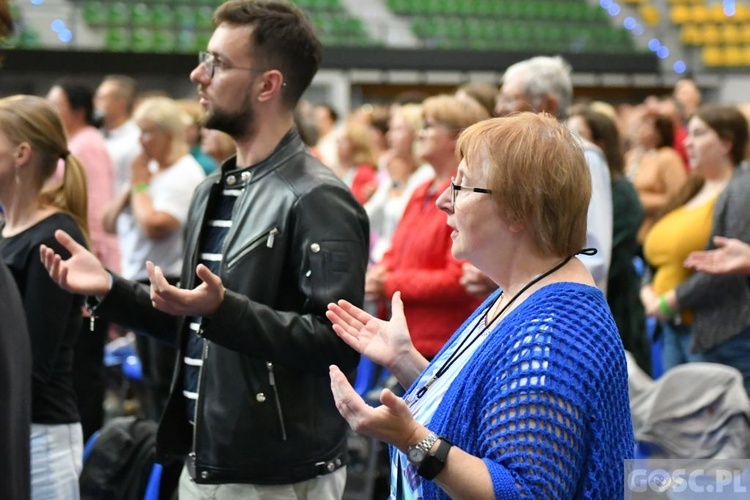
272,382
198,400
269,238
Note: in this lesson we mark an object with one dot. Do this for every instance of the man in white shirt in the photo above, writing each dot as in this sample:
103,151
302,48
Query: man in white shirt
114,102
543,84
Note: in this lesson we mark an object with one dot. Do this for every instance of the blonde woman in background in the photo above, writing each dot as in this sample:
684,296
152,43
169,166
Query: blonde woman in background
218,145
194,135
356,160
401,172
150,217
32,141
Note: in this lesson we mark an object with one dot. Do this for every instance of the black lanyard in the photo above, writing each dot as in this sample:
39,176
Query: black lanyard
471,338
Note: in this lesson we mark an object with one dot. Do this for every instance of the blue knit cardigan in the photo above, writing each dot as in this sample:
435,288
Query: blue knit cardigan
544,400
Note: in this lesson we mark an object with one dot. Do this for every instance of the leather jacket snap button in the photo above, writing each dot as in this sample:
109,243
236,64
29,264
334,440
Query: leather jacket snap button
315,248
260,397
231,180
331,466
204,474
245,176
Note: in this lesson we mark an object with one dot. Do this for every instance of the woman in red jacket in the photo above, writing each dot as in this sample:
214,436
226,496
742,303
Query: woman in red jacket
419,263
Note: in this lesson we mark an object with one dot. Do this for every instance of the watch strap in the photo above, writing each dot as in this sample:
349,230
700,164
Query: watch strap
433,464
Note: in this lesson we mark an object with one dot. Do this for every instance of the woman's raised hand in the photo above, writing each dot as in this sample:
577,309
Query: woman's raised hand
381,341
392,422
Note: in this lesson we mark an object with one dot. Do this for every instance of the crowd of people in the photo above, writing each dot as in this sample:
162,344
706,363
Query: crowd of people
496,250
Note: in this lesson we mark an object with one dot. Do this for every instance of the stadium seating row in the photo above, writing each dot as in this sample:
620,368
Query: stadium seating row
539,25
711,34
705,13
561,10
717,56
449,32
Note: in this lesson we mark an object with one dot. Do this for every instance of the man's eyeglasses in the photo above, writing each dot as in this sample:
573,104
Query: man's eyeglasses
455,188
210,62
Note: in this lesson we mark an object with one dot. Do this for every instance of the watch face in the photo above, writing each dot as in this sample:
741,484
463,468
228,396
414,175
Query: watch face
416,455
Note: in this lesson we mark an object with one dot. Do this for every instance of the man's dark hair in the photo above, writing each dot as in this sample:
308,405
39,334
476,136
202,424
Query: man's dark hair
282,38
80,97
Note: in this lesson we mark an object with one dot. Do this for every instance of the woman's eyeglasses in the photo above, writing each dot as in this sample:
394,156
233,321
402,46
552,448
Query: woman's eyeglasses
455,188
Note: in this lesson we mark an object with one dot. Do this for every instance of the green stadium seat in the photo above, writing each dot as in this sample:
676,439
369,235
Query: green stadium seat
399,7
164,41
140,15
205,17
185,17
29,39
142,40
118,14
186,43
93,14
162,15
117,39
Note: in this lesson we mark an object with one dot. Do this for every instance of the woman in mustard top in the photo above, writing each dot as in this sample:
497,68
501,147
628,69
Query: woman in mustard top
667,245
712,202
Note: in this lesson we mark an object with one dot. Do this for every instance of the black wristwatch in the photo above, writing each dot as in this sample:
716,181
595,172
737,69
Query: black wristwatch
429,465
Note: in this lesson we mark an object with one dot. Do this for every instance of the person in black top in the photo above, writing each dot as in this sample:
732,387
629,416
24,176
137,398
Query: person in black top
32,141
15,386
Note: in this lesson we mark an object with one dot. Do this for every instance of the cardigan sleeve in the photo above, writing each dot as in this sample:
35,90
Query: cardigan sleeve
536,438
732,221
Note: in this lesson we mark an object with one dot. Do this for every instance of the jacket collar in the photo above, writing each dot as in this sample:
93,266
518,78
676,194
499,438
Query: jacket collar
234,177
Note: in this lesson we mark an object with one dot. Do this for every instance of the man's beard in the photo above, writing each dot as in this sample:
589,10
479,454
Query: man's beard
237,124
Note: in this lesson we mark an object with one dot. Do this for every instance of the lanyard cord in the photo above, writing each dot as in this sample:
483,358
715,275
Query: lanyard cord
471,338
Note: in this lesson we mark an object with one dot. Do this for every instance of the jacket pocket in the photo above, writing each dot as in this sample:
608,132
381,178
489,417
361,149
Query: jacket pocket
279,413
331,273
266,238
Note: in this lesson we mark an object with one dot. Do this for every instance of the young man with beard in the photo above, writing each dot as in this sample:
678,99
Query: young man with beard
272,238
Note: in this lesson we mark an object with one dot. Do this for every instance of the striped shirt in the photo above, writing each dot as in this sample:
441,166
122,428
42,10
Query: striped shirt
216,226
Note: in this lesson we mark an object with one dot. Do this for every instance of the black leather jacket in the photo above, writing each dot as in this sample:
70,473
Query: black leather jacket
265,411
